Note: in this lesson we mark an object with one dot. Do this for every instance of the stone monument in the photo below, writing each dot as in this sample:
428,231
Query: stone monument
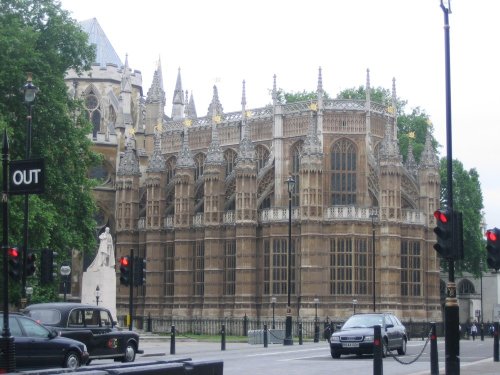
99,281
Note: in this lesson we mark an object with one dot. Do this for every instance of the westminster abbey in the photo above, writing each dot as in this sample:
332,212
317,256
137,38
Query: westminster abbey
204,198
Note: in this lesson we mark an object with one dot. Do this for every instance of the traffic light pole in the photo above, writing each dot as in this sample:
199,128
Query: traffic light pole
131,292
452,343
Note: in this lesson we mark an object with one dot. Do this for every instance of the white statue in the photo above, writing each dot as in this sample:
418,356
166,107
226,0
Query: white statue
105,255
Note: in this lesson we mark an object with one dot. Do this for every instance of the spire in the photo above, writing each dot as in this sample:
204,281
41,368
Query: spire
394,103
157,161
215,154
368,87
312,144
156,94
411,164
185,159
186,107
105,53
129,164
275,91
390,147
178,98
243,98
320,82
429,157
215,108
126,83
192,107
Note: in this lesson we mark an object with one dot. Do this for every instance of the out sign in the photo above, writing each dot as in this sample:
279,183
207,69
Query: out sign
27,176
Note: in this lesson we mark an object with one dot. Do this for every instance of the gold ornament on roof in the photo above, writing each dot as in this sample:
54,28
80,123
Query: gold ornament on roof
248,114
159,127
188,122
313,107
390,109
216,119
411,135
131,132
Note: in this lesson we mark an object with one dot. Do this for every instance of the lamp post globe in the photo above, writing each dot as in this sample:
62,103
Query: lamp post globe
65,272
97,294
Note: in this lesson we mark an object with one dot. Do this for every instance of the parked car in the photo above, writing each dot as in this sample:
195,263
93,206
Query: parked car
39,347
357,333
92,325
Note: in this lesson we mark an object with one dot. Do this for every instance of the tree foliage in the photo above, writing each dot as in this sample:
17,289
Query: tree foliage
298,96
467,198
38,36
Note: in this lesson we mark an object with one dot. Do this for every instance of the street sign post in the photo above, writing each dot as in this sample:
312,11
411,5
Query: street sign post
27,176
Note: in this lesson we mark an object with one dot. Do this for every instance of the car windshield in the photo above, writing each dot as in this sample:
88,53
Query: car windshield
46,316
363,321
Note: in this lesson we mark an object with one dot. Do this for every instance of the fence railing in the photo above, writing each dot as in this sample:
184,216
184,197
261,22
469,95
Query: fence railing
239,326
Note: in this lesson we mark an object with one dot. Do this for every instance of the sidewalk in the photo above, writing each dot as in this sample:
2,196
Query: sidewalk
483,367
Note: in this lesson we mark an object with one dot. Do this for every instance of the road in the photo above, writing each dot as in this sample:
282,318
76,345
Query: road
310,358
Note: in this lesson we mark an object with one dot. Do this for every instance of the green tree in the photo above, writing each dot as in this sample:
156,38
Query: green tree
298,96
467,198
38,36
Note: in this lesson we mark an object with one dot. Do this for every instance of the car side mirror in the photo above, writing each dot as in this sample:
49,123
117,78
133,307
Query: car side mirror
53,333
389,326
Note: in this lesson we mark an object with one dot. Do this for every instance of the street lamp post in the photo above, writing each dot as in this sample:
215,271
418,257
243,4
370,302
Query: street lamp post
273,302
65,271
354,303
373,216
30,91
97,295
288,323
481,310
451,308
316,326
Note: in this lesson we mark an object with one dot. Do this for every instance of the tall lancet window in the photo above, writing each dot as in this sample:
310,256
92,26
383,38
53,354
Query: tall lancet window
262,154
230,160
296,151
93,110
343,173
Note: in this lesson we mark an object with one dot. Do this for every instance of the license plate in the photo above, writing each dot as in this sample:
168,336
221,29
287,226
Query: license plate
350,345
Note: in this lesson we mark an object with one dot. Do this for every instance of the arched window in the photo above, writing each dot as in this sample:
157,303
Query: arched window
199,160
343,173
262,155
230,159
91,103
170,169
296,151
466,287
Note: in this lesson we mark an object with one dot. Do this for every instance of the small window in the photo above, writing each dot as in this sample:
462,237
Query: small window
91,318
48,316
76,318
105,318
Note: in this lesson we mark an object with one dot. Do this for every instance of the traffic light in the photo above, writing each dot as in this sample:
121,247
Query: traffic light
444,233
125,270
139,271
14,263
30,264
47,267
493,248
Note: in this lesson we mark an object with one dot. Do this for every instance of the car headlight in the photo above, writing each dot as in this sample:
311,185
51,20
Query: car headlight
335,339
369,338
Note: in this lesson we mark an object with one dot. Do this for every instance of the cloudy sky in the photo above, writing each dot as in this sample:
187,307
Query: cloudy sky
224,42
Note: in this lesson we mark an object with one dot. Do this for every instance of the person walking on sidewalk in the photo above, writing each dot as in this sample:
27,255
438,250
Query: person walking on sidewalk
473,331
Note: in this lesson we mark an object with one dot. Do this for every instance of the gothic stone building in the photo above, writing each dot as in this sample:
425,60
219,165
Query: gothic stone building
205,200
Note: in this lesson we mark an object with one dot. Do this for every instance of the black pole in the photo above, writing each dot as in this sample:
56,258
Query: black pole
131,292
452,343
377,350
434,351
301,334
274,327
373,216
481,311
316,327
265,335
7,362
172,339
288,322
495,343
223,338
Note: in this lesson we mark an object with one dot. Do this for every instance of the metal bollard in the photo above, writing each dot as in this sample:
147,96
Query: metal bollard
223,338
150,326
172,340
434,351
300,334
265,335
245,325
495,343
377,350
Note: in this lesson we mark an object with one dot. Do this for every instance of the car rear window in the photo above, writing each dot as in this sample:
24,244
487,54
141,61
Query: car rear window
46,316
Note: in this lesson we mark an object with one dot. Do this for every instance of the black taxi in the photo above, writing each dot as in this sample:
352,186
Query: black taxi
89,324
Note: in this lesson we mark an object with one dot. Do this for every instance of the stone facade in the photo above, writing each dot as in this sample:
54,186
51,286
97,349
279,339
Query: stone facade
205,200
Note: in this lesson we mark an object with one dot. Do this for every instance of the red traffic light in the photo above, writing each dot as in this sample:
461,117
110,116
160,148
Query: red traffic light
13,252
491,236
441,216
124,261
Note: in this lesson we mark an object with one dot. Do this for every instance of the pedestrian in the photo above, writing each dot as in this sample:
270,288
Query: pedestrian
473,331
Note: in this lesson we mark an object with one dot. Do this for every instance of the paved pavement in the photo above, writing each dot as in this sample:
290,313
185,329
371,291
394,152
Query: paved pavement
481,367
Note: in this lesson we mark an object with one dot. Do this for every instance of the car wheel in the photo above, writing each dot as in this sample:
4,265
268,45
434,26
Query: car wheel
334,354
385,348
402,348
72,360
129,353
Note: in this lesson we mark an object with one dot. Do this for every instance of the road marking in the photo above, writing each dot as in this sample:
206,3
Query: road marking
287,352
